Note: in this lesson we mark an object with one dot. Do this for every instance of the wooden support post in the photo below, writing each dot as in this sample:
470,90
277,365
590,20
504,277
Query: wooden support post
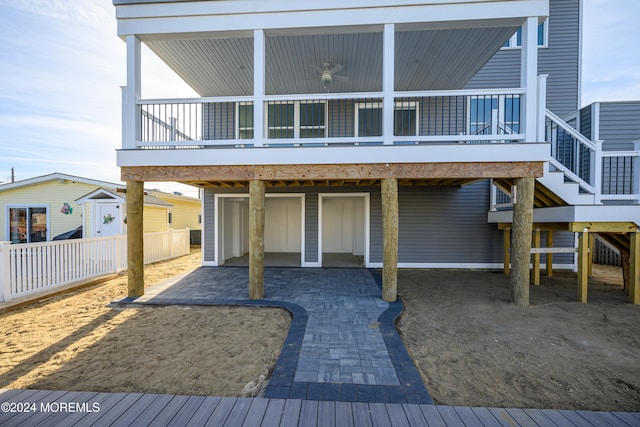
624,258
390,239
549,255
135,239
507,251
583,265
256,239
521,241
634,268
535,271
592,246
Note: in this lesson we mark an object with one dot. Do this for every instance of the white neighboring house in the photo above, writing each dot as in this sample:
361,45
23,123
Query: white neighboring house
40,208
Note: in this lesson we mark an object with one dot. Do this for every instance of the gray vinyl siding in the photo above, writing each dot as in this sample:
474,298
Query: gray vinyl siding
560,60
311,225
208,226
586,122
218,121
619,124
340,119
447,225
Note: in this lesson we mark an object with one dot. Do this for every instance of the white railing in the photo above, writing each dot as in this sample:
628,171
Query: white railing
621,175
608,175
574,154
452,116
33,268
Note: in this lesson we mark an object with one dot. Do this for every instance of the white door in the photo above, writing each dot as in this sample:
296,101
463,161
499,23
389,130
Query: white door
108,219
283,224
343,225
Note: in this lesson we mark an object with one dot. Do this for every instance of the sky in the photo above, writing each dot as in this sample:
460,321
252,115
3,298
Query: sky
62,65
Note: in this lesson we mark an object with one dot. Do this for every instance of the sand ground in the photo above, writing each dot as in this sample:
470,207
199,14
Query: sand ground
470,344
474,348
75,342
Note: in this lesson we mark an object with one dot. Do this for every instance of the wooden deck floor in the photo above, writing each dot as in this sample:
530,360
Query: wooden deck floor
39,407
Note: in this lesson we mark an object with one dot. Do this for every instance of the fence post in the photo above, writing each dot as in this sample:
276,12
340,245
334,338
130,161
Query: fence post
5,274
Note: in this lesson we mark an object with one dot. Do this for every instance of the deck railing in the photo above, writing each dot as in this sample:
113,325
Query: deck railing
460,116
573,153
609,175
33,268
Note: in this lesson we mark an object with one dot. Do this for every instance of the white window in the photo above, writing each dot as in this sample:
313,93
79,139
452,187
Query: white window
515,41
405,119
369,119
27,224
244,120
296,119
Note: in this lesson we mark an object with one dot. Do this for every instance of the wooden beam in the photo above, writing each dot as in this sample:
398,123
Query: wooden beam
454,170
603,227
626,269
256,239
550,255
389,192
634,268
583,265
535,271
521,241
549,195
135,239
506,237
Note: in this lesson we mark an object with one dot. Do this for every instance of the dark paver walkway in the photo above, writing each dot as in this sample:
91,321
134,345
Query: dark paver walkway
342,345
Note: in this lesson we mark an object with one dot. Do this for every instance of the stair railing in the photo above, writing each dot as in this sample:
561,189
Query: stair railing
575,155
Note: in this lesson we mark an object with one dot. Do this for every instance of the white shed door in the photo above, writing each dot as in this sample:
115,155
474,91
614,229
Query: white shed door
107,219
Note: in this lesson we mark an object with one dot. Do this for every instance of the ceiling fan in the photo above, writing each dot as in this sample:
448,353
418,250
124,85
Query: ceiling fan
328,73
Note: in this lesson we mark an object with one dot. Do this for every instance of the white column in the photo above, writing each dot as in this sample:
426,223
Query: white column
388,81
542,106
528,76
131,114
258,87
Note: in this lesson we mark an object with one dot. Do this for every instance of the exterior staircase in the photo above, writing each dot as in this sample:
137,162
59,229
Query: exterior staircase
570,190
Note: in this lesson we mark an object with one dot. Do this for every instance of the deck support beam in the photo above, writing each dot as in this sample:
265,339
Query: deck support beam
634,268
135,239
521,241
583,265
256,239
389,192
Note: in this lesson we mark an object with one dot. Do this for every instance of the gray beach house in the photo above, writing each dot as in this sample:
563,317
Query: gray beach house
383,133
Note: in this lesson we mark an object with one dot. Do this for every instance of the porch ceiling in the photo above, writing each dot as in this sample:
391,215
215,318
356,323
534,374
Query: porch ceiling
426,59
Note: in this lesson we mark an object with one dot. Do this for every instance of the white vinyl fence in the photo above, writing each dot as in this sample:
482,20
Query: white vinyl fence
31,268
